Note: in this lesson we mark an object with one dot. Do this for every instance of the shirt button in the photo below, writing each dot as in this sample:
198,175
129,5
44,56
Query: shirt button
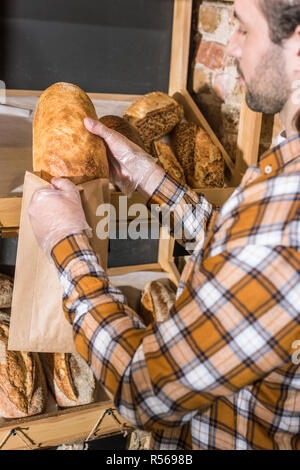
268,169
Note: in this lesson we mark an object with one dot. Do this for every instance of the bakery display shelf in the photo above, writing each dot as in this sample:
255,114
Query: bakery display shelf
80,423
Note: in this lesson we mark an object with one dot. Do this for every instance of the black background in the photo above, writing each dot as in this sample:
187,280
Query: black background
104,46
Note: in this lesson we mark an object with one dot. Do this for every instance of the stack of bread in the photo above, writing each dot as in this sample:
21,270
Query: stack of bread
190,156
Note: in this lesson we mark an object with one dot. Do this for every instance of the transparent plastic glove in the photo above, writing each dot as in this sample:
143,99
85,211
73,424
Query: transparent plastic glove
56,212
130,166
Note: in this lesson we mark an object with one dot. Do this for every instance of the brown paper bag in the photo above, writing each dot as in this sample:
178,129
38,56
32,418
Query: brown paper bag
37,321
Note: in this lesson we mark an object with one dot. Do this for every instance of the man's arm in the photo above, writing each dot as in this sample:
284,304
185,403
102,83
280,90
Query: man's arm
231,326
131,168
186,213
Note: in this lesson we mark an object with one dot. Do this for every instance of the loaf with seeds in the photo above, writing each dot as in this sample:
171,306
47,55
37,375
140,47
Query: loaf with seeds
200,158
168,160
154,115
123,127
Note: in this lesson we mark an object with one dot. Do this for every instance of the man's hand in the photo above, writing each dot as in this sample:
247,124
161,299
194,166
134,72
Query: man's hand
55,213
130,166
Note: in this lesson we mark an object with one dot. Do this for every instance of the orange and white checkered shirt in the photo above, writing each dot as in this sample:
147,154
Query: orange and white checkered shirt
222,372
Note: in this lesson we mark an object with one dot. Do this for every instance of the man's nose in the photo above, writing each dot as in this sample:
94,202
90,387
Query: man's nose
233,48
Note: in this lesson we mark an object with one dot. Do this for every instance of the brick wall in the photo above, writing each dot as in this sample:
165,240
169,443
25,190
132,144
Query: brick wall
214,77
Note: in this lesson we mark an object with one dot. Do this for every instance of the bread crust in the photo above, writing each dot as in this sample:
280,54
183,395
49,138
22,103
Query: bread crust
62,146
23,389
122,126
158,297
168,160
200,158
70,379
154,115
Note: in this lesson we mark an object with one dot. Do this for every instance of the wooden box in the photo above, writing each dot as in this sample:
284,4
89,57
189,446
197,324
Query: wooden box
51,429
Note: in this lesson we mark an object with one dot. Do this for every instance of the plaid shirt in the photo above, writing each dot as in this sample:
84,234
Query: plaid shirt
223,371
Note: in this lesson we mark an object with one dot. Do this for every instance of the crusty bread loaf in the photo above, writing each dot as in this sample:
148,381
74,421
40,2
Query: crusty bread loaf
154,115
70,379
183,140
125,128
168,160
157,299
23,389
62,146
200,158
208,163
6,290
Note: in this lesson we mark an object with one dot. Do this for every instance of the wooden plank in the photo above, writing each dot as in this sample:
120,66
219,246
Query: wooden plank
217,196
10,210
193,113
277,127
68,425
92,95
136,268
248,140
165,255
182,19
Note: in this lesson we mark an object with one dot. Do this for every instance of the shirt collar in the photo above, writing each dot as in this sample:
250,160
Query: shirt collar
280,155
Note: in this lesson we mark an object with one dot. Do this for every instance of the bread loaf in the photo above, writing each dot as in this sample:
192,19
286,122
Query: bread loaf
125,128
23,389
158,297
154,115
6,290
168,160
199,157
62,146
183,140
70,379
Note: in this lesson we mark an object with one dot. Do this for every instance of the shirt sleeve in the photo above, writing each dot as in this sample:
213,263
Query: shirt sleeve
186,213
230,327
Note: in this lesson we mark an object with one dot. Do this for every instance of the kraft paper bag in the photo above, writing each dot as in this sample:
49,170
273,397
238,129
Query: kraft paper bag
38,323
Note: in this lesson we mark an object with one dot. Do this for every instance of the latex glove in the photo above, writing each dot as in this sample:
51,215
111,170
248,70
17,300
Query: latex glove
130,166
55,213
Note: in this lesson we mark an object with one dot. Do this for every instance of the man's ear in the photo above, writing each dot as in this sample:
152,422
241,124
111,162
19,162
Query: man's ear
291,47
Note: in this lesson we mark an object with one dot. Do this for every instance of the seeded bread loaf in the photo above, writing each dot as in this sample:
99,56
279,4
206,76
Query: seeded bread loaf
158,297
154,115
70,379
125,128
168,160
23,389
62,146
6,290
199,157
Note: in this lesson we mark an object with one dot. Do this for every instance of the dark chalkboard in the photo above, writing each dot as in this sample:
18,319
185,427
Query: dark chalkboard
105,46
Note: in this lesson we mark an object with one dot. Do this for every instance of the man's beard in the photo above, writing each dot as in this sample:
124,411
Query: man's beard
268,90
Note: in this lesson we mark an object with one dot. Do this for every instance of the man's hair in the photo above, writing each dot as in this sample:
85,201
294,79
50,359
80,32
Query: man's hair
283,17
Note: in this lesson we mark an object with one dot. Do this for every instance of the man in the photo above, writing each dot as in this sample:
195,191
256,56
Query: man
221,372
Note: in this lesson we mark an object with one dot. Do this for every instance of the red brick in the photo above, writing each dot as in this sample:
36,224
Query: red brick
210,54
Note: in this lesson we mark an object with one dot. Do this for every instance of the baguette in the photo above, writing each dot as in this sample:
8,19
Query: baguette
23,389
154,115
70,379
62,146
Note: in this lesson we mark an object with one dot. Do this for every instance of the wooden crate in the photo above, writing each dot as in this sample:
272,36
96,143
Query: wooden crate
76,423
